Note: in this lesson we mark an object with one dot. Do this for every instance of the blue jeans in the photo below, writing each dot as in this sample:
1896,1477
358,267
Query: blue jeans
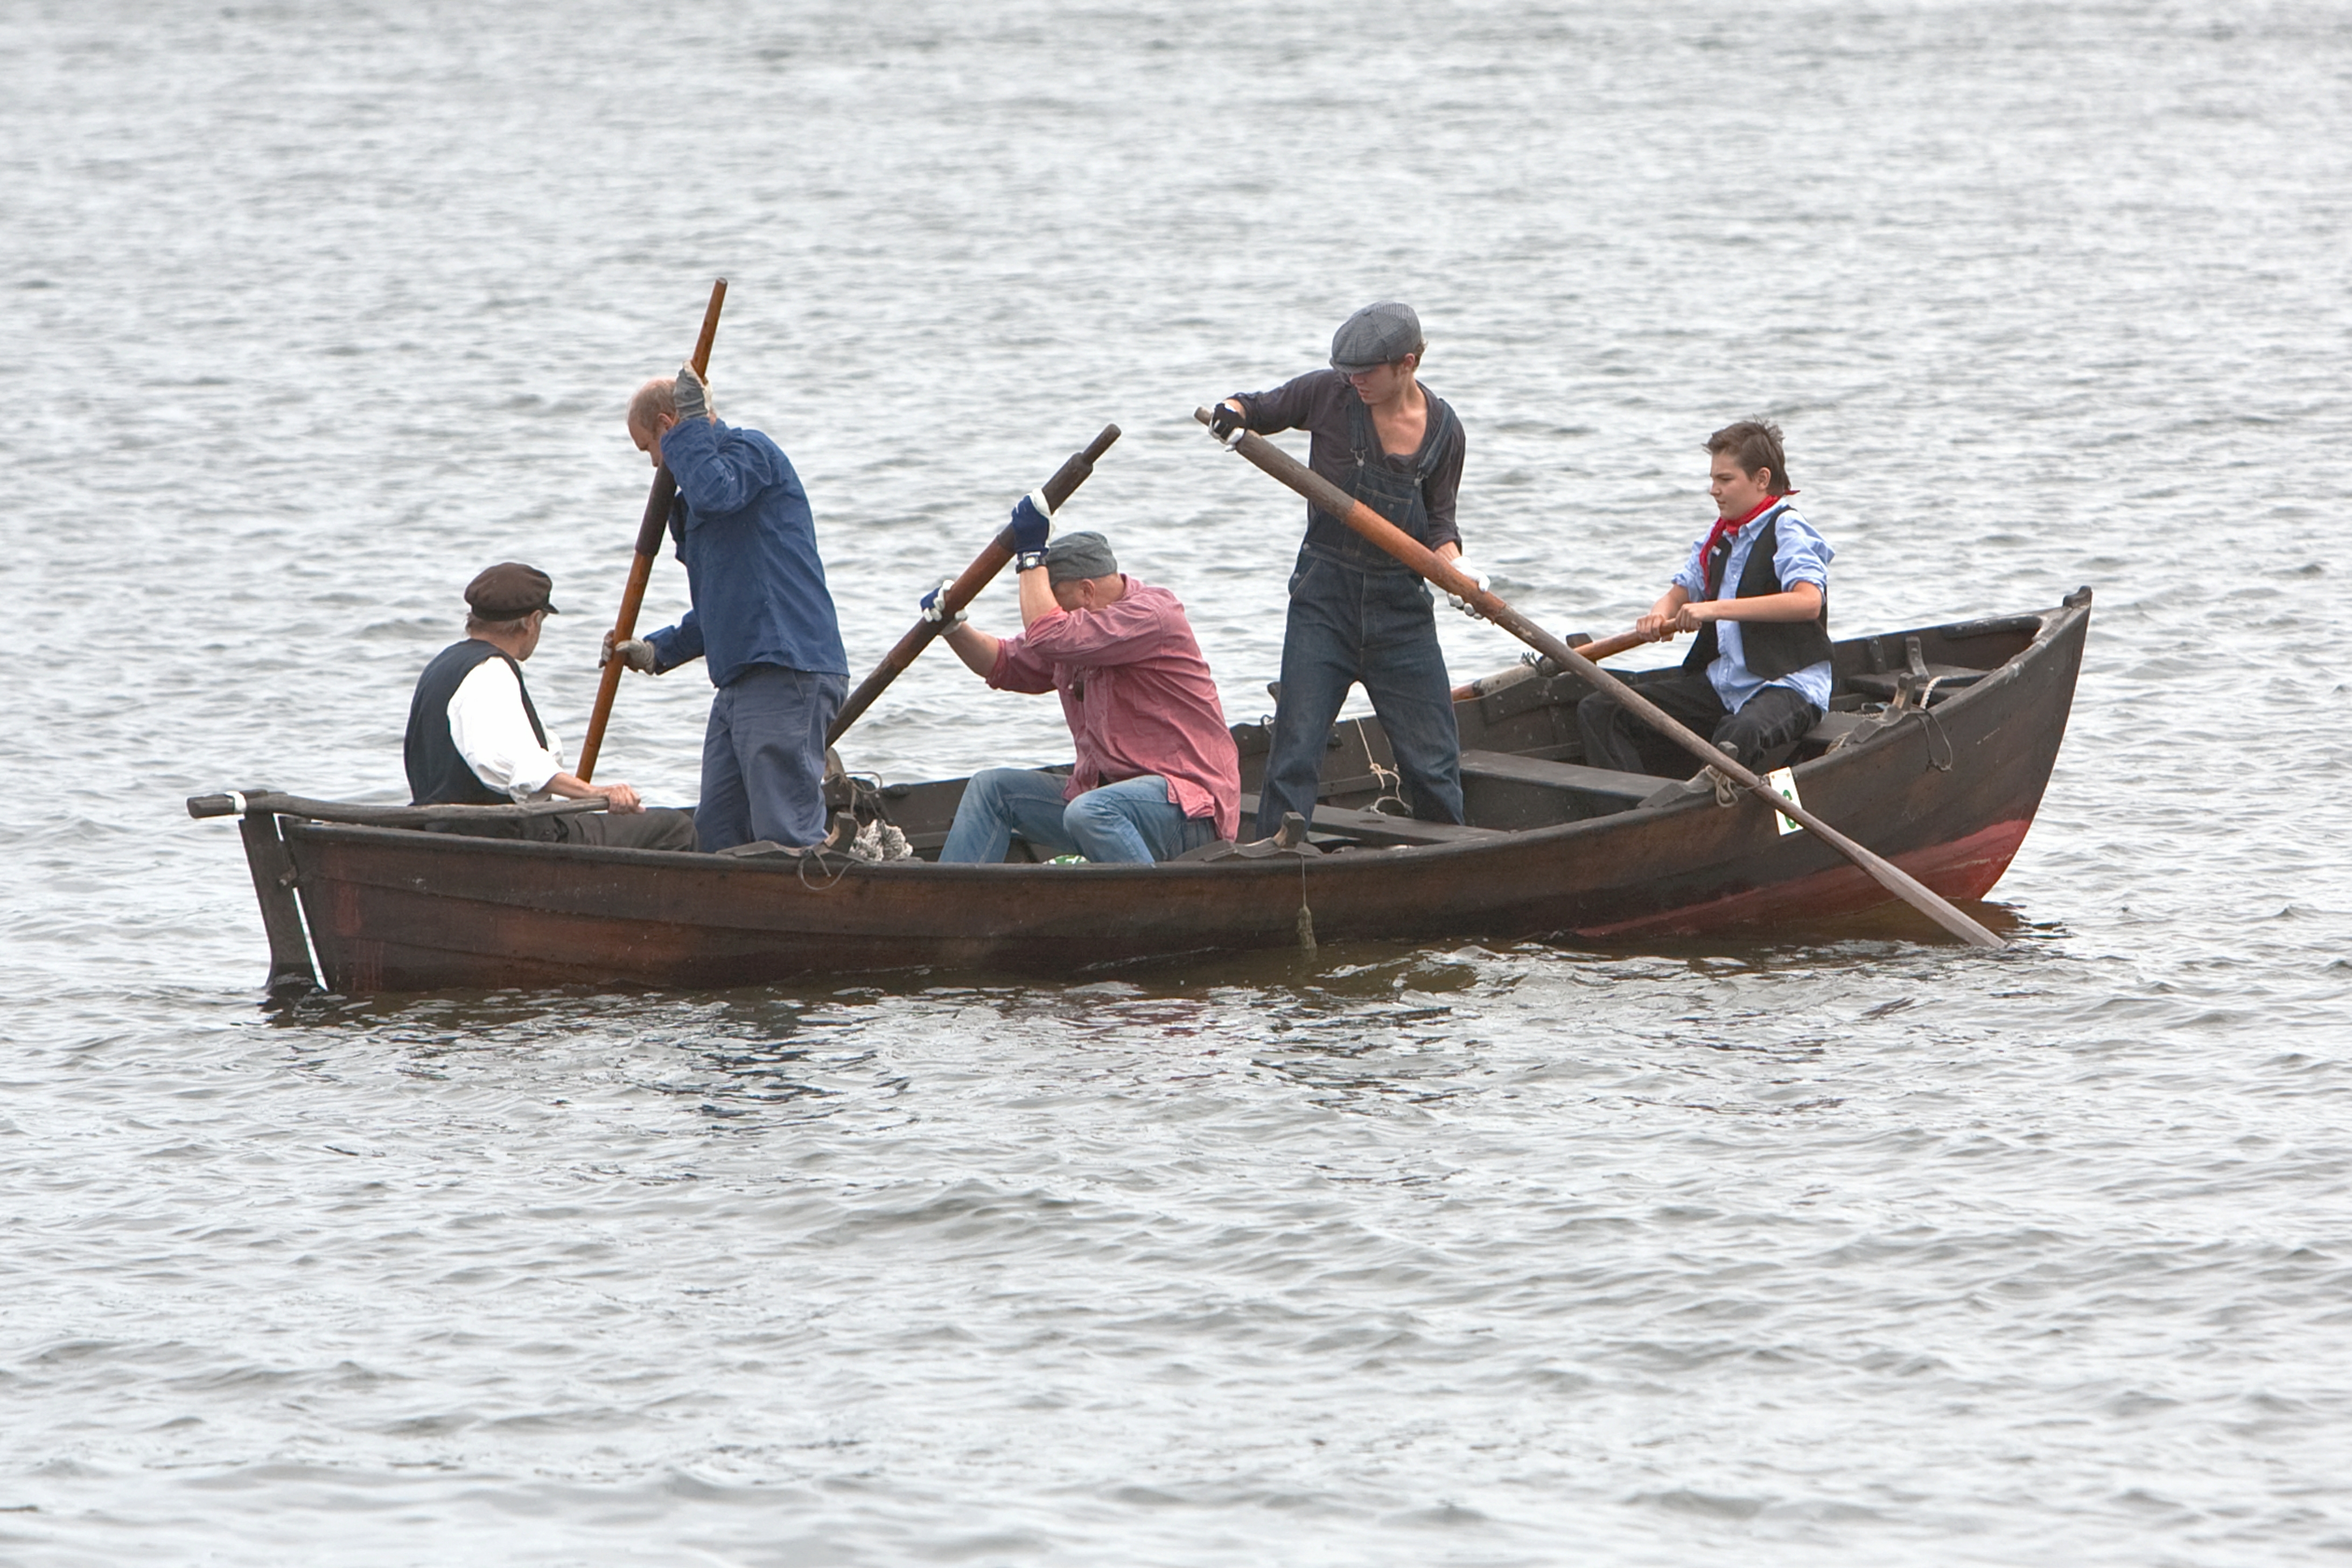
764,758
1345,626
1133,823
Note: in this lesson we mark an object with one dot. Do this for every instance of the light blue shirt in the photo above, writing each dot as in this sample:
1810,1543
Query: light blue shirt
1801,557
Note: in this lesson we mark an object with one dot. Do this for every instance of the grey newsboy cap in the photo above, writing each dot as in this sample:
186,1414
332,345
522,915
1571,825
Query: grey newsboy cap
1075,555
1376,335
508,592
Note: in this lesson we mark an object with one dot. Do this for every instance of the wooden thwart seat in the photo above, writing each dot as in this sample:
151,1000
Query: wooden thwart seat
1835,731
1379,827
1948,679
1607,783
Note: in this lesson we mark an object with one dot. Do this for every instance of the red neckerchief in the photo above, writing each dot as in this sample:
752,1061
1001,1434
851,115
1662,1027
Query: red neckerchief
1724,526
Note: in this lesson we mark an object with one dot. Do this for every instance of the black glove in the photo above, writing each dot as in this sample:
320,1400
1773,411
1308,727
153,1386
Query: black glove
1225,422
1033,523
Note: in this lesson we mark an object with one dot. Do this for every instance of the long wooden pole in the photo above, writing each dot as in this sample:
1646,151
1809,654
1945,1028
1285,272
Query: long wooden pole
1606,647
650,528
965,588
1380,530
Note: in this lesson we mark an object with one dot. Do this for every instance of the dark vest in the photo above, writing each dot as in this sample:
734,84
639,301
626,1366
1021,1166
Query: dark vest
1774,649
1395,494
437,774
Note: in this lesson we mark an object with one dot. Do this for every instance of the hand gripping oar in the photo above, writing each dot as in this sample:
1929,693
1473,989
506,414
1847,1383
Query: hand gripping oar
964,589
650,528
1380,530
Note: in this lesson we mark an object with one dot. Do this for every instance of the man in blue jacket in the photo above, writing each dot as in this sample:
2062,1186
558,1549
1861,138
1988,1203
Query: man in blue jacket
760,618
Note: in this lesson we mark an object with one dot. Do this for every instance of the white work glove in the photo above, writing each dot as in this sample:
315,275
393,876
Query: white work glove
1461,563
933,606
694,395
635,652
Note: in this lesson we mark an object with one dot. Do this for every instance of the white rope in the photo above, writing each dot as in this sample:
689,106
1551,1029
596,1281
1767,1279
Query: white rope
1392,779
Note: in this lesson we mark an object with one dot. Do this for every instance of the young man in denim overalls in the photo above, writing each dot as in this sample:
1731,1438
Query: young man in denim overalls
1357,614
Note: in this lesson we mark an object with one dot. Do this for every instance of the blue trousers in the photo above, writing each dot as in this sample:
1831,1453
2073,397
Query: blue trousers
1131,822
1348,625
764,758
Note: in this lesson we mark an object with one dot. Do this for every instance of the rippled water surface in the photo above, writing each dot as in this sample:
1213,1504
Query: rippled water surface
1846,1249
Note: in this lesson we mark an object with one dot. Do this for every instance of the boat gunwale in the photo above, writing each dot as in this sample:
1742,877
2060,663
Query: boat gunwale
821,872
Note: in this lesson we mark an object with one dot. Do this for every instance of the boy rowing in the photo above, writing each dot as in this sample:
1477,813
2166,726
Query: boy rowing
1755,588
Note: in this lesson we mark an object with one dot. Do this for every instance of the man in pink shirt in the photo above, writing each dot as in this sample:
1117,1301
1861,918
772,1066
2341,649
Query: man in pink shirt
1157,773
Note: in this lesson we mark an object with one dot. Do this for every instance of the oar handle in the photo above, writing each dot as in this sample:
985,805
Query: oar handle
1329,497
650,528
1607,647
266,802
966,587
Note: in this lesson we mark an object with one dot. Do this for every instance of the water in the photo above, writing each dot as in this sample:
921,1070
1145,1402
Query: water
1833,1252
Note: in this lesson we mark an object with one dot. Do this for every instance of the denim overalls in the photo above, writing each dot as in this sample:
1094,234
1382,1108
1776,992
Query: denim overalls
1358,613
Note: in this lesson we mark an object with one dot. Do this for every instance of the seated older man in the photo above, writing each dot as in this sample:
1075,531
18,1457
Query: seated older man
476,738
1157,773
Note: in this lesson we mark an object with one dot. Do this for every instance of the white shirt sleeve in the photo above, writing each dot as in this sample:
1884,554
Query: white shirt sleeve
493,734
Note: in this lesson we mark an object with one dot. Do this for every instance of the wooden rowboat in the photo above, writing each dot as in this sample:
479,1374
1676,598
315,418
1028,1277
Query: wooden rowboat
1936,752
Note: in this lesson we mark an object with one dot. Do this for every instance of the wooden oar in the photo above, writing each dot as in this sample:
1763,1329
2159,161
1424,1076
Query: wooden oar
650,528
964,589
1607,647
1380,530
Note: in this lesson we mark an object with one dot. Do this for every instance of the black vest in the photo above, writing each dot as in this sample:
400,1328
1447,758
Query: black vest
437,774
1774,649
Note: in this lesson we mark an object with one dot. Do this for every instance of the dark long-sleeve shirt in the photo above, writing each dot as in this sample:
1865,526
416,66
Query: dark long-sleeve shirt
1319,403
744,530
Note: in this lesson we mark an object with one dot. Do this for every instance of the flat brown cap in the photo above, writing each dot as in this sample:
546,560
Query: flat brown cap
509,591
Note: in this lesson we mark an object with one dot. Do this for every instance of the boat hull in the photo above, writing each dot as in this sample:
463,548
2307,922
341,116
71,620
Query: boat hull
1947,795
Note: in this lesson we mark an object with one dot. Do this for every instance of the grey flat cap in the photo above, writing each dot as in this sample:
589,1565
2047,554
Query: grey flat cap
1376,335
1075,555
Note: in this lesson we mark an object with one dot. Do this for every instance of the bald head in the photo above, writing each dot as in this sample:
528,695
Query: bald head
652,411
654,398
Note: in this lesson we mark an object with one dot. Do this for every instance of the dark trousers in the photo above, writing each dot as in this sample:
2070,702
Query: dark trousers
1761,734
656,827
764,758
1376,627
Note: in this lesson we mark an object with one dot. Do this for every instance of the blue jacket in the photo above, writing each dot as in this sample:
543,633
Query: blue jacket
742,527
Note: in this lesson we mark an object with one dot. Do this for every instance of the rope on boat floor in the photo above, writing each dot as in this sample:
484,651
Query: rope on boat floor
1392,780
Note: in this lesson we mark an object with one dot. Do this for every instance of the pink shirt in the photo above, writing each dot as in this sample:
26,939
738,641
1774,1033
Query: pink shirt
1138,696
